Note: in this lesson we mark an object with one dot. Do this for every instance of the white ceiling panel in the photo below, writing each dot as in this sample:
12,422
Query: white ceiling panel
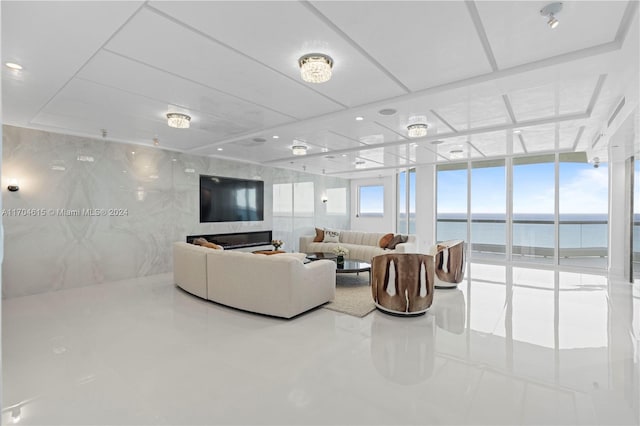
99,107
490,144
366,132
432,42
569,133
44,37
293,31
475,112
112,70
518,34
231,65
563,97
162,43
539,138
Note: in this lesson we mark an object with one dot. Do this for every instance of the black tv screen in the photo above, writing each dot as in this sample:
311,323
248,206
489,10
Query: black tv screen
224,199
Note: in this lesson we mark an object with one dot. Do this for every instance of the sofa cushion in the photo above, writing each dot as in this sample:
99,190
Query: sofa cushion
319,235
385,240
331,236
397,240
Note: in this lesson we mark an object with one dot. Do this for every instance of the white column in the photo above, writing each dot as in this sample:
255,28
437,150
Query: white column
426,197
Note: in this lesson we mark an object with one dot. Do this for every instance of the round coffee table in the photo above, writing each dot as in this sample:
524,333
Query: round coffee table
320,255
349,266
354,266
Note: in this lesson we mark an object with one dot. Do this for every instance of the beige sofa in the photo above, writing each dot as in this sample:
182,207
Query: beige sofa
280,285
361,245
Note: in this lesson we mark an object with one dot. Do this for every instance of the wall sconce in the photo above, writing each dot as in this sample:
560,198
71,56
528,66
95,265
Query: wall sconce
13,185
324,199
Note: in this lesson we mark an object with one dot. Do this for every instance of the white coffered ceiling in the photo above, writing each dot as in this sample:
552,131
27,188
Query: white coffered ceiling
475,70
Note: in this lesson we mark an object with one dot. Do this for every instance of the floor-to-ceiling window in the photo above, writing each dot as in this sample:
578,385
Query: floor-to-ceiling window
472,205
584,209
488,209
533,229
451,202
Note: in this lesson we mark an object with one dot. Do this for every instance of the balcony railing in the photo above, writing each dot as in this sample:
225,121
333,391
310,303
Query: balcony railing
534,238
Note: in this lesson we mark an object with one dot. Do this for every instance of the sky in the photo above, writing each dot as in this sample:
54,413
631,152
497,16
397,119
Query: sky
583,189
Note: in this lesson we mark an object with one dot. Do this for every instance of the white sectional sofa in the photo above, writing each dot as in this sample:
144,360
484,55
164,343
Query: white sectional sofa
280,285
361,245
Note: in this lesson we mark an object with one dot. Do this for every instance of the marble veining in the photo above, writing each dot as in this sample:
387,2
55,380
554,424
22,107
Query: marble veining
158,190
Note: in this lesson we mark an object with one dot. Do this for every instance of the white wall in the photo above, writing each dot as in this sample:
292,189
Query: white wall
157,190
386,223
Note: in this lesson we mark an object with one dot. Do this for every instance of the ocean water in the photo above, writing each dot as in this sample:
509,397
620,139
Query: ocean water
529,230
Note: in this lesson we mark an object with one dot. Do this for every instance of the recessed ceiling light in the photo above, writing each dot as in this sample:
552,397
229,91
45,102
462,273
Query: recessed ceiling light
517,132
315,67
436,142
275,137
13,66
344,155
359,118
456,151
325,149
220,149
387,111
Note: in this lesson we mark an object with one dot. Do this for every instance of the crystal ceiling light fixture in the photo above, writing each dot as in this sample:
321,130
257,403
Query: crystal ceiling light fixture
178,120
550,11
298,148
417,130
315,67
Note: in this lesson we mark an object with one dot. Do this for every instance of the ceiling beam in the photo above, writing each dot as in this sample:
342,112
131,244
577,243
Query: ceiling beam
487,129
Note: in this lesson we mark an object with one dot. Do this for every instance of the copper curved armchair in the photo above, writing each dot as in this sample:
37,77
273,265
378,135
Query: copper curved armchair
402,283
449,259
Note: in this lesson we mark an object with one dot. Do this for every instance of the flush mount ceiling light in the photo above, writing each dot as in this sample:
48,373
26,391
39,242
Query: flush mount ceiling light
315,67
13,66
178,120
417,130
298,149
550,11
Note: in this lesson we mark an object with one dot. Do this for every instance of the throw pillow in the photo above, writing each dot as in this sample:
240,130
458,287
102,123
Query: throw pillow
385,240
331,236
199,241
212,246
397,240
319,235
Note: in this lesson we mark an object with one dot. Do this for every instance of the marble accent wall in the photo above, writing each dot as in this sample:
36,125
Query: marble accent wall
76,223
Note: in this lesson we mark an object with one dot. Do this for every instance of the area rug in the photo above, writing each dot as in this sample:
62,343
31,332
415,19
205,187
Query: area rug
353,295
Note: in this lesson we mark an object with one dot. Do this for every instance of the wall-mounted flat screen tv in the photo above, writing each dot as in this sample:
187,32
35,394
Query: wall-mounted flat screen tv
224,199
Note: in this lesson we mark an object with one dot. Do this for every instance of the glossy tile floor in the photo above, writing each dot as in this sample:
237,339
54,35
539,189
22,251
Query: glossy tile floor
510,346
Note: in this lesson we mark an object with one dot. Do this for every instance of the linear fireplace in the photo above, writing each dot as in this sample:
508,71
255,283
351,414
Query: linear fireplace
237,239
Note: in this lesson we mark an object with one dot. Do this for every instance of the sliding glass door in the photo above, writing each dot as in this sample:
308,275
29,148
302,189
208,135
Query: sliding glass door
451,202
533,226
559,210
584,208
488,209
